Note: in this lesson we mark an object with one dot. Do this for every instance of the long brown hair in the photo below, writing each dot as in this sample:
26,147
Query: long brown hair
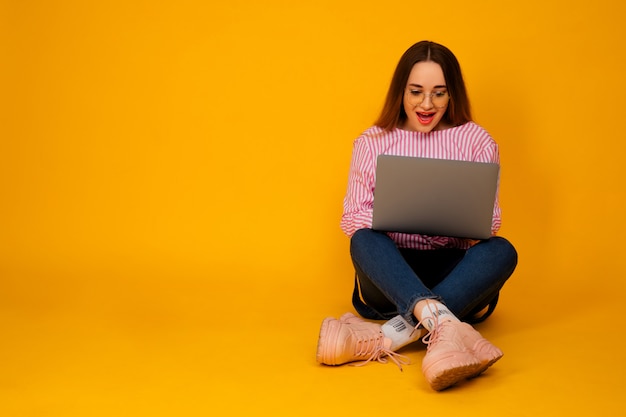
458,112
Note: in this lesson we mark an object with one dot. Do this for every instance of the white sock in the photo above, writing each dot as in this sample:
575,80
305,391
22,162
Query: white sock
435,311
400,332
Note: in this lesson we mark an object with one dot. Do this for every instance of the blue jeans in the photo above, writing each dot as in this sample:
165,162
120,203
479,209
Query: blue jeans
391,280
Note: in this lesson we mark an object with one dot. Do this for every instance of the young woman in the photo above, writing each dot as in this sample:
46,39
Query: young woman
419,284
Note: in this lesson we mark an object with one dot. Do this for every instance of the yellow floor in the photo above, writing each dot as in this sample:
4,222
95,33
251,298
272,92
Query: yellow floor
171,181
148,342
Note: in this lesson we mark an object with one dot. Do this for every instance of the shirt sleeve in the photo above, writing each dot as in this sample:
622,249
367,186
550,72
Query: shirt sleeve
491,155
359,200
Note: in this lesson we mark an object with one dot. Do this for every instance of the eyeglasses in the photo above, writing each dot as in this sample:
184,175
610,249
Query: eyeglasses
437,98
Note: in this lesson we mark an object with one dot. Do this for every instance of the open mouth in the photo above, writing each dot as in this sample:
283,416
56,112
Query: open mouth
425,118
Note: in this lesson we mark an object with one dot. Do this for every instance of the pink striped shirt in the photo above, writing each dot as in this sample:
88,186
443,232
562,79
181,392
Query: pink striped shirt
468,142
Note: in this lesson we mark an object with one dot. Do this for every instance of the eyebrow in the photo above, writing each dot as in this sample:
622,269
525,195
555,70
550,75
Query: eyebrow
419,86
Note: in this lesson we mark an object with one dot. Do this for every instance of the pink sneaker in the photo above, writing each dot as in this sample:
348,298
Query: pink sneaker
448,360
483,350
351,318
352,339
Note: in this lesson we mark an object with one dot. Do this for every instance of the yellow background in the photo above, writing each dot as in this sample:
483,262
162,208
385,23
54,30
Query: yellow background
172,173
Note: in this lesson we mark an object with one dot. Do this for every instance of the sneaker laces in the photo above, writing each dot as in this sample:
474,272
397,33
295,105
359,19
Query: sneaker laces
375,351
432,335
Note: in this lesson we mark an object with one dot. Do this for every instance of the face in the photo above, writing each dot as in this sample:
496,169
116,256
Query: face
425,98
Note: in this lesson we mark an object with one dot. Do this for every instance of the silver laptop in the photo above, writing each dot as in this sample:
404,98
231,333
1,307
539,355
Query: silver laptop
434,196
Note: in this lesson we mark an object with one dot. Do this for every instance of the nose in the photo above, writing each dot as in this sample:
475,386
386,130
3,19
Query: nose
427,103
